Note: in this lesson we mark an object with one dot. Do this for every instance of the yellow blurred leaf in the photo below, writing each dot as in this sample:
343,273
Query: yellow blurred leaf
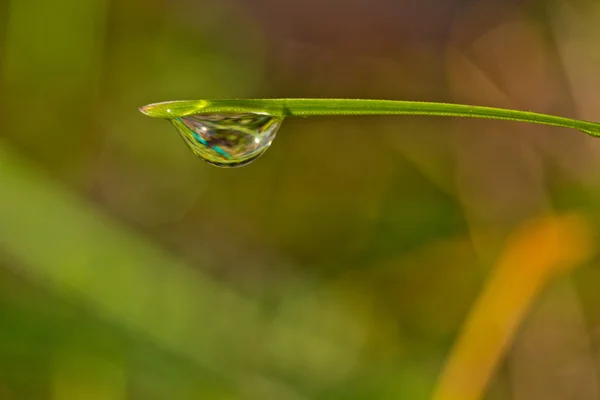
537,251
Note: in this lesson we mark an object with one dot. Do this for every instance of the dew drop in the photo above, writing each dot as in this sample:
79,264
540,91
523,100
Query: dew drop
228,140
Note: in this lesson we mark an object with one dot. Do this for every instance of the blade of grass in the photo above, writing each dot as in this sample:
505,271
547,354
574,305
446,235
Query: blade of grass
319,107
537,252
81,254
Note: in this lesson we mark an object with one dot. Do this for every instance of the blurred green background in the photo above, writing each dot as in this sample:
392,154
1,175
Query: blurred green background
340,265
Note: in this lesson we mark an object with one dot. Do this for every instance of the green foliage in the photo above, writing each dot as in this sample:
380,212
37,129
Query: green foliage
308,107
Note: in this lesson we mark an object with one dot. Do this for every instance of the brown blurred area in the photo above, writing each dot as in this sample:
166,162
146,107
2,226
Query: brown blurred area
359,258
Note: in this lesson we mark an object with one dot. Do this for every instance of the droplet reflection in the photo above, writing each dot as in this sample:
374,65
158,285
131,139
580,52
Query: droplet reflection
228,140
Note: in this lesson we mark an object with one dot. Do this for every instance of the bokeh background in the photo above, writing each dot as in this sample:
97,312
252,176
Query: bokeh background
359,258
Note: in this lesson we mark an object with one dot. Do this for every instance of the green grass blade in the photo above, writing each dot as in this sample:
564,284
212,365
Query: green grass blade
315,107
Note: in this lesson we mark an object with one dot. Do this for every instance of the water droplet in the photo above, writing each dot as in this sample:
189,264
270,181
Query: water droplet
228,140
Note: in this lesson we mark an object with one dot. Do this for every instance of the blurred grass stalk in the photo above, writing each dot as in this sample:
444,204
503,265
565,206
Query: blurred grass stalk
57,239
81,254
537,252
541,248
